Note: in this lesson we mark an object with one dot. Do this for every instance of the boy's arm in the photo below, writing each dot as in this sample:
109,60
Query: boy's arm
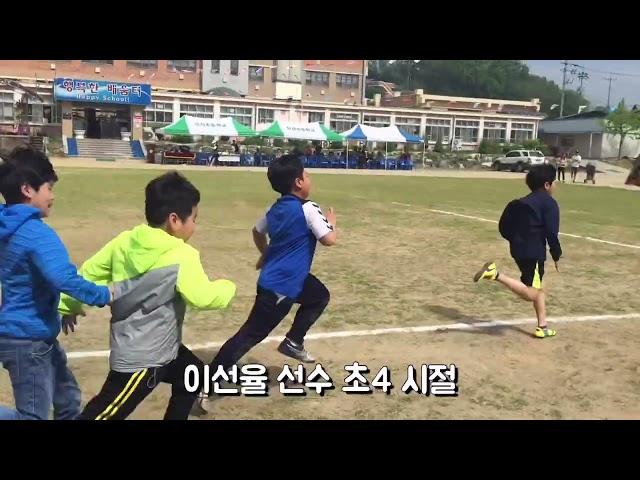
504,224
322,227
260,235
96,269
196,288
260,239
50,256
552,229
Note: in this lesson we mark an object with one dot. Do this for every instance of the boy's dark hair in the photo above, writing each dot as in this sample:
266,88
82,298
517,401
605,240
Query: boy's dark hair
539,175
24,166
283,171
169,193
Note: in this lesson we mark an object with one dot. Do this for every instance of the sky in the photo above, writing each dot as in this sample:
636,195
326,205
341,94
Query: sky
595,89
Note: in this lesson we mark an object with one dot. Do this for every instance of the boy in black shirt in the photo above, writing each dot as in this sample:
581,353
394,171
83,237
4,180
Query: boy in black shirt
528,224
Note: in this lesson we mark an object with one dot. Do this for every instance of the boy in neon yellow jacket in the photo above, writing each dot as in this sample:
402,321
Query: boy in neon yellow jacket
155,275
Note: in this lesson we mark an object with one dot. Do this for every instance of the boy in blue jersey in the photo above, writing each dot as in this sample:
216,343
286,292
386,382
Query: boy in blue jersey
293,226
34,269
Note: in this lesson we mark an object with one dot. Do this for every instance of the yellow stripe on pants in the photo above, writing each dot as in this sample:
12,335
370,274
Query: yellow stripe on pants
537,282
126,392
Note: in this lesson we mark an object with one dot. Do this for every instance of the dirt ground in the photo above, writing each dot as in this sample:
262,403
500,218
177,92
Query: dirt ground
396,267
590,372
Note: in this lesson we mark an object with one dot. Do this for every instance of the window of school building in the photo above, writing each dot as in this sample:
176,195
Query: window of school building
196,110
495,131
241,114
409,124
377,120
316,117
158,114
265,115
341,122
521,132
346,81
182,65
438,128
6,107
467,130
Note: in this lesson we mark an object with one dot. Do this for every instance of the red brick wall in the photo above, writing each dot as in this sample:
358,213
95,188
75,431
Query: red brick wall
120,71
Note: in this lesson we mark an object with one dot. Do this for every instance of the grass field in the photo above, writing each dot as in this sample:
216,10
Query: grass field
397,266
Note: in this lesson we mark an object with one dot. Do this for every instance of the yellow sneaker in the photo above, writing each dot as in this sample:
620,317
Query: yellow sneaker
545,332
489,271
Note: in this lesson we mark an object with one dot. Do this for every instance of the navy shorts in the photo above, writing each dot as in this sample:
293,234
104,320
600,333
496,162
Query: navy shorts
531,271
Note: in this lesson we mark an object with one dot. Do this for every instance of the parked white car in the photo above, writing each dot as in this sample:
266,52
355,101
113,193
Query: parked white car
487,164
519,160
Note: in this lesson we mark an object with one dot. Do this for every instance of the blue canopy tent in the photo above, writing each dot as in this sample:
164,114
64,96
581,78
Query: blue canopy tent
392,134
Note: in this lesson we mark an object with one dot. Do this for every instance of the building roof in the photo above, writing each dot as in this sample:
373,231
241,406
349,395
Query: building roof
585,122
422,101
224,92
589,114
590,124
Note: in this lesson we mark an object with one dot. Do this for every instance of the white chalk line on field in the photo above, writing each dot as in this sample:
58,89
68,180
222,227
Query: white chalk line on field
387,331
480,219
230,227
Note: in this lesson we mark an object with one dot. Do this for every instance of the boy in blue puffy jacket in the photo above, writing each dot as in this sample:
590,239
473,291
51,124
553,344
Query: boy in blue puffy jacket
34,269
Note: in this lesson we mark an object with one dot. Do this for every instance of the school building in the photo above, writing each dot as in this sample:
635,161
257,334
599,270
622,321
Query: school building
120,99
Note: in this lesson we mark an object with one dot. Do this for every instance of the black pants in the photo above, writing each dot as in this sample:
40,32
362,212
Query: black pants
561,171
574,173
267,313
591,175
123,392
532,272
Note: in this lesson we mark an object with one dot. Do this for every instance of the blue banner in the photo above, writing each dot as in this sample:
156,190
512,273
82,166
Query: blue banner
100,91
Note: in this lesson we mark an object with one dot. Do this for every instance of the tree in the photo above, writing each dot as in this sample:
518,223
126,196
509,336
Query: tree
624,123
438,146
508,79
488,147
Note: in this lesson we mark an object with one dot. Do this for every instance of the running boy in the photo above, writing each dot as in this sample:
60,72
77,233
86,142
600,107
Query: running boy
528,224
34,269
156,274
294,225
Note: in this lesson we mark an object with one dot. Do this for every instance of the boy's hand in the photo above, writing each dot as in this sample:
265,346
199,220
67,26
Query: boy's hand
260,262
70,321
557,269
331,216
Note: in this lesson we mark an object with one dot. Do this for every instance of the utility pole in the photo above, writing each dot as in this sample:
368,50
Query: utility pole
611,79
564,83
582,76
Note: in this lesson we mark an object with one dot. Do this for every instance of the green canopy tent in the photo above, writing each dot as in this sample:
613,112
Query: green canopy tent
301,131
215,127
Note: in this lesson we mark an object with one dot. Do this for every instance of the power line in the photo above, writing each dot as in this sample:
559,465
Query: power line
612,77
595,70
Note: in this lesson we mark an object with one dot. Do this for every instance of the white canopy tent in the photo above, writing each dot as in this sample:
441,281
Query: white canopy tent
388,134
